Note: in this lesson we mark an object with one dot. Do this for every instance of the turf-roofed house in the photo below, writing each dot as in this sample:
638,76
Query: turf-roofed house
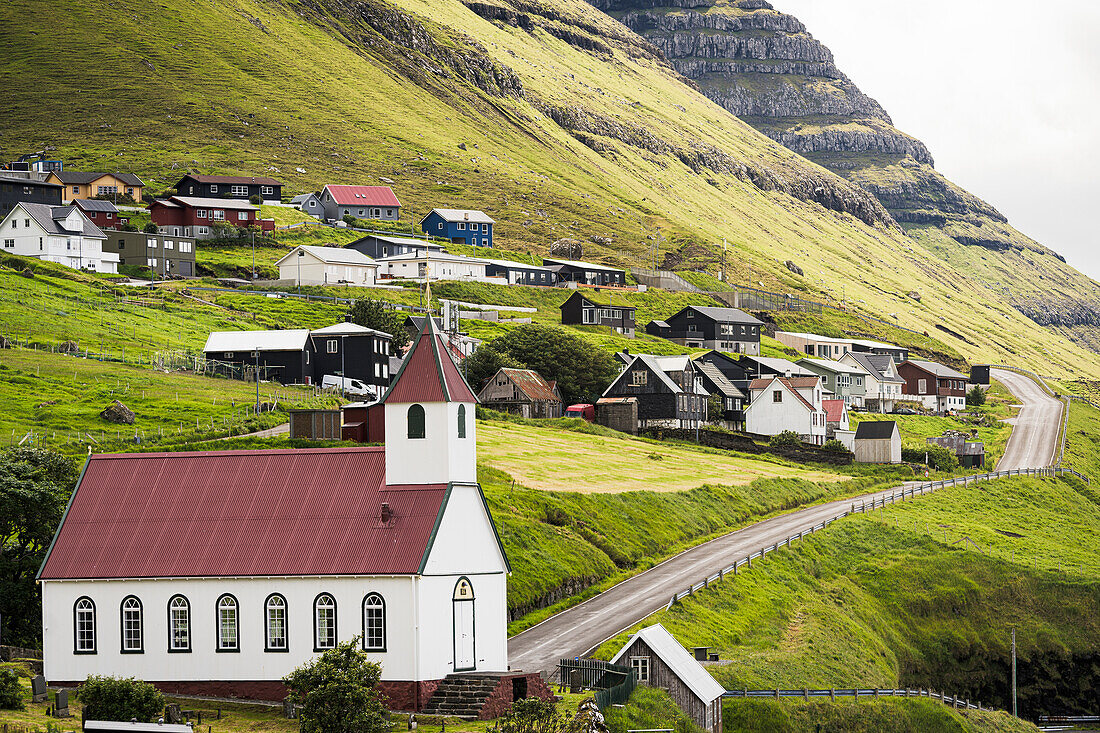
217,573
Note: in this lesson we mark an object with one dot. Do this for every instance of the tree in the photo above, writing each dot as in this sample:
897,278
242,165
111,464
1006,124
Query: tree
484,363
975,397
715,409
150,228
35,486
374,314
581,369
338,692
120,698
11,692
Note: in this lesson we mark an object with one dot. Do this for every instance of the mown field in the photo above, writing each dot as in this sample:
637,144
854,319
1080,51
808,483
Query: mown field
923,593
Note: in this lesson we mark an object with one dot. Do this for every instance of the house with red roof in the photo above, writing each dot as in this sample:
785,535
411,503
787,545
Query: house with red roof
219,572
836,416
362,202
779,404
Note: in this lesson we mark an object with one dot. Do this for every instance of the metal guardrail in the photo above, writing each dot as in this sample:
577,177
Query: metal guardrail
1027,373
1069,718
865,506
870,692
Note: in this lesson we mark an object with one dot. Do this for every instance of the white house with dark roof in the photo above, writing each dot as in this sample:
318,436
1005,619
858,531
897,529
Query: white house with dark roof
883,382
61,234
433,265
778,404
308,265
217,573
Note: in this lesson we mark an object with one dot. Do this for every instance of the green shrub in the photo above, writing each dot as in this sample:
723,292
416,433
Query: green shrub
531,715
255,200
338,692
938,457
120,698
11,690
150,228
975,397
834,446
786,438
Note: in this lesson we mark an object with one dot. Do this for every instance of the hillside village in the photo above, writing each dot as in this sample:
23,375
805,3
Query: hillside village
506,367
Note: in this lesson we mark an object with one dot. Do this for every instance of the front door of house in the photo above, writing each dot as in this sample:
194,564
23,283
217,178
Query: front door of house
463,603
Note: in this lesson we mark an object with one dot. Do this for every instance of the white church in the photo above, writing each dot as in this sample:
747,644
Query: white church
217,573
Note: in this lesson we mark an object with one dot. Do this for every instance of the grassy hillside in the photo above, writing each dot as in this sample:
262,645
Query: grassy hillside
923,593
572,128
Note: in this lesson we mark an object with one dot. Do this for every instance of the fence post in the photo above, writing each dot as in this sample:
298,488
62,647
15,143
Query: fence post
805,694
832,695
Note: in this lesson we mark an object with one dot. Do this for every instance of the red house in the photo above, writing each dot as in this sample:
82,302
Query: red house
190,216
937,387
103,214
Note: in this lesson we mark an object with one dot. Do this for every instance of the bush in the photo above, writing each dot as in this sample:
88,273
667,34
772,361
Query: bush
11,691
338,692
939,458
784,439
150,228
128,227
119,698
531,715
834,446
975,397
255,200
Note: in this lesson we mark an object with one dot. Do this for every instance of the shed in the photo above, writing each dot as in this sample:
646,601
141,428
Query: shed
979,374
315,424
878,441
659,660
522,392
618,413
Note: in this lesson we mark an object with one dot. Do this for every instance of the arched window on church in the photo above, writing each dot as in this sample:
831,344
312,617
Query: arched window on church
416,421
462,421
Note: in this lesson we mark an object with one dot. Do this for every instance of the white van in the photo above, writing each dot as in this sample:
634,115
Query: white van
349,385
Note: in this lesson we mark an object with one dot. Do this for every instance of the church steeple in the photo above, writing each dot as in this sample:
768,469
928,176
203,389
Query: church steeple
430,428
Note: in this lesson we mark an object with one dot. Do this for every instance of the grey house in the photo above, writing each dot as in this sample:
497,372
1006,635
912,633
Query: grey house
309,203
164,254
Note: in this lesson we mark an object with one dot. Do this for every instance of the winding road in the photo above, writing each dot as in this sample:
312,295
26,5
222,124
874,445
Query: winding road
1037,430
578,630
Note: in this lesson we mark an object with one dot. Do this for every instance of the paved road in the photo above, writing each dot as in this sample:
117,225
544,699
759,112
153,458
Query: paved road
579,629
1037,430
267,433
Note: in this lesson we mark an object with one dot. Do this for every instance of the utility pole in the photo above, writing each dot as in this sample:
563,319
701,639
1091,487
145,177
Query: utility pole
1014,673
253,230
257,353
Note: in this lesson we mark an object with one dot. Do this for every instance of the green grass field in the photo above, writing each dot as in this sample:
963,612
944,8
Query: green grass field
1083,440
922,593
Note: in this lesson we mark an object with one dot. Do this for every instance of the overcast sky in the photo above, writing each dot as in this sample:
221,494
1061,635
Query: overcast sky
1006,95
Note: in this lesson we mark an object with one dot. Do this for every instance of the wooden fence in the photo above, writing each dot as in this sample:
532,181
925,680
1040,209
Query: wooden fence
879,501
872,693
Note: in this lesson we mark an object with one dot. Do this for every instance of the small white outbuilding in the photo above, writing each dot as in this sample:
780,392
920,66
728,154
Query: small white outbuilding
307,265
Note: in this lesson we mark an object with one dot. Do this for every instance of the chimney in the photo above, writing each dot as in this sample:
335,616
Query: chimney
387,513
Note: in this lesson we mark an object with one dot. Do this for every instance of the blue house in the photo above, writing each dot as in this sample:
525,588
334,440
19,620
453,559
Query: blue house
461,226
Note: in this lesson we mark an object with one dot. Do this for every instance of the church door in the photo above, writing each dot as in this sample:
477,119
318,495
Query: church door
463,602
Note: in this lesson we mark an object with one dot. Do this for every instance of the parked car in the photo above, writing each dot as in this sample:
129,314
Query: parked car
583,411
349,386
904,411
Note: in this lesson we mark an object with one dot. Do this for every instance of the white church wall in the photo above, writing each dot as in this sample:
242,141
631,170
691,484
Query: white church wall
437,458
465,542
203,662
437,640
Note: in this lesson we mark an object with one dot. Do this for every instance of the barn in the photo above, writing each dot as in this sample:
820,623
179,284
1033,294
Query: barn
878,441
659,660
217,573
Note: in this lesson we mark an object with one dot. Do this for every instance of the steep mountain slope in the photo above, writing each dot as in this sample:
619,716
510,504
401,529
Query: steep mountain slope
764,67
550,116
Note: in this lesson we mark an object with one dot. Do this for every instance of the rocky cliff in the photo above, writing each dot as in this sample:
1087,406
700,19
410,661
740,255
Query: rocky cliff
765,67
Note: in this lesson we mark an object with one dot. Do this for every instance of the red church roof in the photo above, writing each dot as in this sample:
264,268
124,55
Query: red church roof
240,513
363,195
428,373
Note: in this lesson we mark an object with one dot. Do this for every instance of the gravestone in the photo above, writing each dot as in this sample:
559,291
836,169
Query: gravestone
38,689
61,704
289,710
576,681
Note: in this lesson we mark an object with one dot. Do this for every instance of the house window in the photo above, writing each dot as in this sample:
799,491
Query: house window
922,386
416,421
84,626
109,215
360,212
462,421
200,213
106,190
242,216
374,623
461,226
485,228
484,242
588,315
270,191
312,204
76,190
202,230
332,346
213,188
150,243
275,623
219,215
324,622
777,396
129,191
639,378
9,243
132,634
440,227
179,625
640,665
228,632
168,244
389,212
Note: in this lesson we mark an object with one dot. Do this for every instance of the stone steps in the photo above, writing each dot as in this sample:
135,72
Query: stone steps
462,696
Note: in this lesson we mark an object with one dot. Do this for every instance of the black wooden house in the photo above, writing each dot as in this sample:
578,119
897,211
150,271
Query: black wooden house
668,392
234,187
726,329
594,308
14,190
352,351
586,273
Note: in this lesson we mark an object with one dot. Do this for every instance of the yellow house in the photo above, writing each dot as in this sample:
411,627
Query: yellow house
82,185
